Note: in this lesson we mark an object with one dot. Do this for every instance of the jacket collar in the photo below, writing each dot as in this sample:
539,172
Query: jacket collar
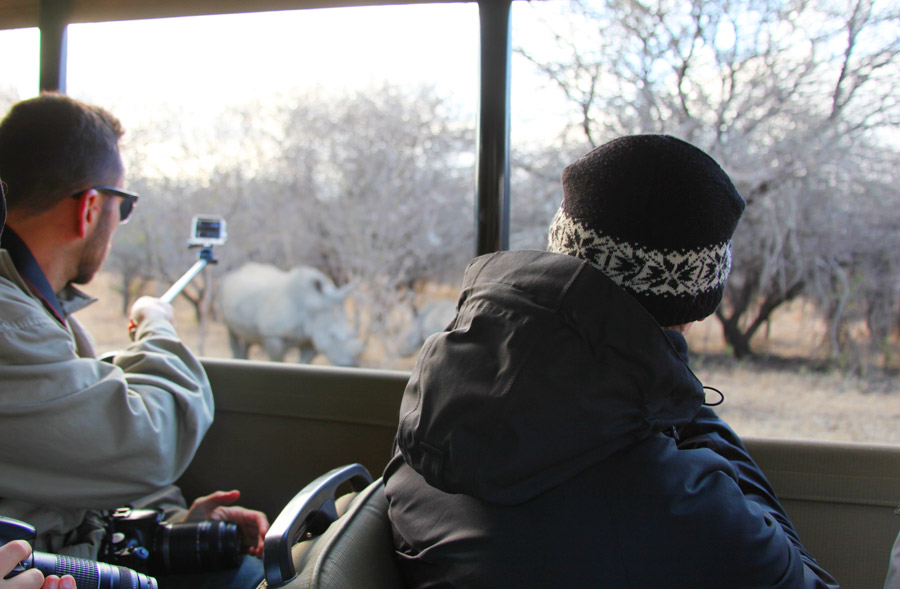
61,304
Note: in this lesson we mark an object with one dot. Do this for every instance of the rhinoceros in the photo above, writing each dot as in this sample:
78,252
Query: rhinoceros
264,305
434,317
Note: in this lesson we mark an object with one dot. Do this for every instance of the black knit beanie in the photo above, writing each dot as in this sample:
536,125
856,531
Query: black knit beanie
656,215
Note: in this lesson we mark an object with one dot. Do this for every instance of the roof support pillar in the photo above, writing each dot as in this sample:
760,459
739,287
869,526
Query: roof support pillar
54,20
492,142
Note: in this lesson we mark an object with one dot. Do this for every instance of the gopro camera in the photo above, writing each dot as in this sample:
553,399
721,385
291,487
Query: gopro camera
207,230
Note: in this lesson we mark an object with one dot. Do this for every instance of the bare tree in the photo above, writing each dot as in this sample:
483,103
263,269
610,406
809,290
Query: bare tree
8,97
535,186
387,178
797,100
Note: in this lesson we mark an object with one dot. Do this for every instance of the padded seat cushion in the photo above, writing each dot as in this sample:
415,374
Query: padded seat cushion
357,550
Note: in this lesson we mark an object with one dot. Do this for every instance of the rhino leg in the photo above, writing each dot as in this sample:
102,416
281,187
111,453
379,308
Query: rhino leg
275,348
307,353
239,348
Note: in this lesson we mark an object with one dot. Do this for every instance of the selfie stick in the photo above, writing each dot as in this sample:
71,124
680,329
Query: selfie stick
206,257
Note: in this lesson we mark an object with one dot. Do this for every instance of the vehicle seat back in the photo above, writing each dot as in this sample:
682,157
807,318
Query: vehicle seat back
356,549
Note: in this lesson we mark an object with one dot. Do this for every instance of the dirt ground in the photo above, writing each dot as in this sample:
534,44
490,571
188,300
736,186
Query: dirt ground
779,394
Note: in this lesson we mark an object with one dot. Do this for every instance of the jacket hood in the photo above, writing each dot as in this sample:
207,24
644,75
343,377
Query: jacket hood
548,368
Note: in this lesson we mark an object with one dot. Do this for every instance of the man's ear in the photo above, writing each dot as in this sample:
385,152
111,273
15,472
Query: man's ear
88,208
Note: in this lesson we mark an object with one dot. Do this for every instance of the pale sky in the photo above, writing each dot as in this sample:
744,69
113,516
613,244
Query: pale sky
202,64
238,58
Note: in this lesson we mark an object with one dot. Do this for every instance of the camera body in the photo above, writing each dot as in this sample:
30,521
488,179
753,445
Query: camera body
139,539
207,231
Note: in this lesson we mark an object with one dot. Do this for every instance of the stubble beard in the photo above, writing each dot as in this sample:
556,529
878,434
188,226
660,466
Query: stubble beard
96,248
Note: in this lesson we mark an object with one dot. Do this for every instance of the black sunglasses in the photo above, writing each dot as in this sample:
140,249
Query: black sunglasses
126,207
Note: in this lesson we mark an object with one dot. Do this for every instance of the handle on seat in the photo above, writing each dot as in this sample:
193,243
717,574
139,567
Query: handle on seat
315,498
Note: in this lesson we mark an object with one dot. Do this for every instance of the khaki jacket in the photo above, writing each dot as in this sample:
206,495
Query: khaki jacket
78,434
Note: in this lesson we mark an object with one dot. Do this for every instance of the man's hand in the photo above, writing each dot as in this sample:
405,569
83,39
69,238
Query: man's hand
218,507
148,308
11,554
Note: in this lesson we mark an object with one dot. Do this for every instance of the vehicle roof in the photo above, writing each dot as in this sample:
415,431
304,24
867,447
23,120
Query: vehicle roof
16,14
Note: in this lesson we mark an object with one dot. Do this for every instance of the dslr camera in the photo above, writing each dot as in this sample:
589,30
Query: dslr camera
87,573
139,539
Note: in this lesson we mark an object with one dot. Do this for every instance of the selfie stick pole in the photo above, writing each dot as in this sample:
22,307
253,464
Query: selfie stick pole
206,257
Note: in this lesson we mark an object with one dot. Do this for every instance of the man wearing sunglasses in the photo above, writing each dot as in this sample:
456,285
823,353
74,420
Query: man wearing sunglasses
79,435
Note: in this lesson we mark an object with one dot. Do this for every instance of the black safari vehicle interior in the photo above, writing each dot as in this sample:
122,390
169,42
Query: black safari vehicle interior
296,439
302,426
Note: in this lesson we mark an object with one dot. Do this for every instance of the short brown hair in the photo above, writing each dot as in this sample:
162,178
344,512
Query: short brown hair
52,146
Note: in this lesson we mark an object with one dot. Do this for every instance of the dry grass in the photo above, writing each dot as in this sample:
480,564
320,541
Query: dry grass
779,394
785,393
800,403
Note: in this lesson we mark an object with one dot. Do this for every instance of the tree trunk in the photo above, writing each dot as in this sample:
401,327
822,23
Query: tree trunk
739,339
734,337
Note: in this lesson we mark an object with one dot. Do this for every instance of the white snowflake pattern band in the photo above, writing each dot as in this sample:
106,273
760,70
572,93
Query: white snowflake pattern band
642,270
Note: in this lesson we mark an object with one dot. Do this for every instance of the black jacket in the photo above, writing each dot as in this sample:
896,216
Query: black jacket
554,436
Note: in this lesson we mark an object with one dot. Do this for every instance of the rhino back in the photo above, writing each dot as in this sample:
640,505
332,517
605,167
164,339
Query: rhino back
256,302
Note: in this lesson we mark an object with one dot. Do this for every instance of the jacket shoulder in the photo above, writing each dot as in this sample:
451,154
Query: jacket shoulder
27,331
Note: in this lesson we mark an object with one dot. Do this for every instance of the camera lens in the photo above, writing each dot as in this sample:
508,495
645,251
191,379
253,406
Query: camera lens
204,546
89,573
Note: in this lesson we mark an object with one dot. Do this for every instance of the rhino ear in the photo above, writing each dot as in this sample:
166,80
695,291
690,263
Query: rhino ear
342,292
